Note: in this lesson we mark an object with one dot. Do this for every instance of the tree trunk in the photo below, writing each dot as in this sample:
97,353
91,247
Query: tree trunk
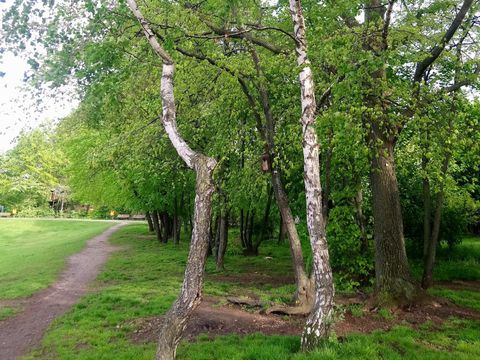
165,226
427,209
328,171
223,240
149,221
266,216
176,223
156,225
190,295
281,231
249,249
429,260
242,225
304,295
393,279
361,221
318,323
394,282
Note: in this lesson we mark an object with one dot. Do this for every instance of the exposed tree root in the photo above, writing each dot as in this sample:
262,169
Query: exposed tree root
245,301
289,310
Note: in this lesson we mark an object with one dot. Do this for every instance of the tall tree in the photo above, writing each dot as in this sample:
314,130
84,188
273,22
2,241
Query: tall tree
319,321
175,320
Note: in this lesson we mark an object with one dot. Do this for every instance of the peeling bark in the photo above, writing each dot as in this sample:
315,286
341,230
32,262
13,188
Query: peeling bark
318,323
190,295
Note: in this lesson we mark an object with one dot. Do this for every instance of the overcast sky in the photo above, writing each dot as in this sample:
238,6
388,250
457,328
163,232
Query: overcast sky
17,110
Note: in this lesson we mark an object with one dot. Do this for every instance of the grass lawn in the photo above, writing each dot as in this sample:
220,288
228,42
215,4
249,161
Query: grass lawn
144,279
33,252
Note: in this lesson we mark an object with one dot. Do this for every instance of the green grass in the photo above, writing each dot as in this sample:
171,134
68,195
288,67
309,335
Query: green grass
144,279
465,298
460,263
454,340
6,312
33,252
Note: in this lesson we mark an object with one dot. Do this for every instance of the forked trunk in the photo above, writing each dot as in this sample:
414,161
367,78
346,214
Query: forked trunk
318,323
190,295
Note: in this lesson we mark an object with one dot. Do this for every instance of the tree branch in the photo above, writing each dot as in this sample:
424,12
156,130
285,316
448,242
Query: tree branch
437,50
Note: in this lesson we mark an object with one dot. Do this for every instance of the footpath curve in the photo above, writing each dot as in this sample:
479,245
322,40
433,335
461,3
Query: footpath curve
20,333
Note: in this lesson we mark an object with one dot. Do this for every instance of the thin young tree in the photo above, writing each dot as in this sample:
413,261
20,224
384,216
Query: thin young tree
318,323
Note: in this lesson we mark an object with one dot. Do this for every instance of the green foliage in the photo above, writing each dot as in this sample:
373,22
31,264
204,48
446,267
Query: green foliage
352,267
113,153
460,263
30,170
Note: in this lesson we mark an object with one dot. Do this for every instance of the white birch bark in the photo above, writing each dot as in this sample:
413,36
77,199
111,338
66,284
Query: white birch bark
318,323
190,295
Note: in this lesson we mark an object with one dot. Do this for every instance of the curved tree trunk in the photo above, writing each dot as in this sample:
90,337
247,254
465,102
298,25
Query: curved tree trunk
304,295
318,323
190,295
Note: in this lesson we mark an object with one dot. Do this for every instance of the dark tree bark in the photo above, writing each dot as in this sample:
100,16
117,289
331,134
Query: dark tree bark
431,247
394,282
242,228
393,279
328,172
156,226
427,208
361,221
190,295
266,222
223,239
149,221
281,231
304,295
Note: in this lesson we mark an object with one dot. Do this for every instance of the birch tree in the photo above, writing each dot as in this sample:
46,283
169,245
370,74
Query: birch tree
190,295
318,323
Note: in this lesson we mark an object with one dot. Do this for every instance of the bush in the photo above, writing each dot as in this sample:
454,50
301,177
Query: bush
352,267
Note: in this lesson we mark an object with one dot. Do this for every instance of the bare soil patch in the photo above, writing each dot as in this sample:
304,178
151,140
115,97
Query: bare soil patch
212,318
20,333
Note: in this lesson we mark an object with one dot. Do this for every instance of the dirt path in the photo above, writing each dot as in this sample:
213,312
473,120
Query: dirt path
19,334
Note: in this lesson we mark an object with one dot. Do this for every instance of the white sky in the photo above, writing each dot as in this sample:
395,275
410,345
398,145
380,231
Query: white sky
17,107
